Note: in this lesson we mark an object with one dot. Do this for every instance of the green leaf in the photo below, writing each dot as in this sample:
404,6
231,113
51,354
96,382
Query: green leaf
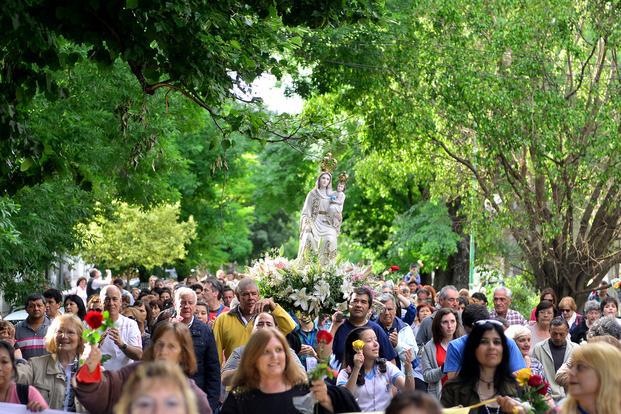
131,4
26,164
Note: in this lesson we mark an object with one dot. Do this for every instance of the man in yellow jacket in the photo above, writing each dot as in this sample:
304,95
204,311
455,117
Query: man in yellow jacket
233,329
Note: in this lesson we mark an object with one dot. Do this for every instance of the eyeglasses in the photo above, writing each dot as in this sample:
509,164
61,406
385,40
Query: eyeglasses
68,334
486,321
565,310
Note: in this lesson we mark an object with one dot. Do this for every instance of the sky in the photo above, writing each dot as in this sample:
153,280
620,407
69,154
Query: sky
273,94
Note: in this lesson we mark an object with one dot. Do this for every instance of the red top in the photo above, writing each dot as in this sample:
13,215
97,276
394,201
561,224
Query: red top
213,315
440,357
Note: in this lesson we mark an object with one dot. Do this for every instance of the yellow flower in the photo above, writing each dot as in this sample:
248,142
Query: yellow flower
358,345
522,376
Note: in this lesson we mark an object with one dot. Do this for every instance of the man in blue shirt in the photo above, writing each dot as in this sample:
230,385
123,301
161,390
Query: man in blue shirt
454,353
359,305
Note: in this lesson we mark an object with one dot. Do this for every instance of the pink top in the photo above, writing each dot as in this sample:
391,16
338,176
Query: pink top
33,395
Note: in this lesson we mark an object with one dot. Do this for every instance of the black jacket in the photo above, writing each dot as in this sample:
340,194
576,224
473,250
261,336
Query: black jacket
207,376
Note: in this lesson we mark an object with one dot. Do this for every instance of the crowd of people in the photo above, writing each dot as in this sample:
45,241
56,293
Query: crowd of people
216,346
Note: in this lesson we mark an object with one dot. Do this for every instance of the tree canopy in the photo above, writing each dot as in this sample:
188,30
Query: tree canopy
524,97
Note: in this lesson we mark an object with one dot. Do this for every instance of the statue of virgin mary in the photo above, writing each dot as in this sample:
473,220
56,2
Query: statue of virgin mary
317,230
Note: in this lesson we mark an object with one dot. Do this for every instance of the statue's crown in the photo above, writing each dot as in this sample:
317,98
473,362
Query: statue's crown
343,177
328,164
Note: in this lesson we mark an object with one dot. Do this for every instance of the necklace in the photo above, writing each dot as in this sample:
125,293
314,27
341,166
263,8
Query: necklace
489,412
488,383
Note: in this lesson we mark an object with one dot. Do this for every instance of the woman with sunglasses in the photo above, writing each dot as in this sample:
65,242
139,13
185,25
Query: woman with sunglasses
486,376
567,307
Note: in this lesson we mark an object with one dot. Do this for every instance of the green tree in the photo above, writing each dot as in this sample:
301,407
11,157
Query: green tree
523,97
133,237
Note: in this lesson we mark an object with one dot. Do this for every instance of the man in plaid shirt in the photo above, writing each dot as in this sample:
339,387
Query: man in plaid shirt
502,301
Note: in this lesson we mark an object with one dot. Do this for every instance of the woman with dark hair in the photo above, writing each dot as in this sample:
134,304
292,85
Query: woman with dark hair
79,290
268,381
540,331
369,377
444,328
12,393
172,342
546,294
485,373
610,307
74,304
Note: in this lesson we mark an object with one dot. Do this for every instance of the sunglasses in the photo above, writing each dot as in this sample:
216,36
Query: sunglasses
486,321
565,310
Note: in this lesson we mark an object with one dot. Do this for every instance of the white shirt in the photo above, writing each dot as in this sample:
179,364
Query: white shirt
130,335
375,394
81,292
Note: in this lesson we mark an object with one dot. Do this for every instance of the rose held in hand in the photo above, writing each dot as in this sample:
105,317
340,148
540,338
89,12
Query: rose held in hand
94,319
535,380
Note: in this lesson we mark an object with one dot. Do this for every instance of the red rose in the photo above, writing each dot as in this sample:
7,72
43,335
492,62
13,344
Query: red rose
324,337
535,380
544,389
94,319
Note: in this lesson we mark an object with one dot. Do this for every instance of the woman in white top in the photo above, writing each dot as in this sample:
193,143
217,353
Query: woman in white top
371,380
79,289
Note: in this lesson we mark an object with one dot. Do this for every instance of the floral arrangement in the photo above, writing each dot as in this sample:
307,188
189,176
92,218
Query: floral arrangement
307,287
616,283
535,389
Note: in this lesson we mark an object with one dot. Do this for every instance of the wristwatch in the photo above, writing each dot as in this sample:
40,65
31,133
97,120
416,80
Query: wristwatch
124,347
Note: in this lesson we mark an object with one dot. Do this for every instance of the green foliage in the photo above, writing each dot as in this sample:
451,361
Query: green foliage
499,91
135,238
425,233
44,224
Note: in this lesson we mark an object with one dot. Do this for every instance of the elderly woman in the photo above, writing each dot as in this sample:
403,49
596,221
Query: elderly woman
544,313
594,381
7,334
485,373
591,313
268,381
51,374
13,393
567,307
99,392
522,337
157,384
444,329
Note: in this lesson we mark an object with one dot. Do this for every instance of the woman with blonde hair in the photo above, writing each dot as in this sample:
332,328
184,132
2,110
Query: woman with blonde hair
171,342
594,380
157,385
51,374
268,381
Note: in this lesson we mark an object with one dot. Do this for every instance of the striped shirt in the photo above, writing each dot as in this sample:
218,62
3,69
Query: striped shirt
29,341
